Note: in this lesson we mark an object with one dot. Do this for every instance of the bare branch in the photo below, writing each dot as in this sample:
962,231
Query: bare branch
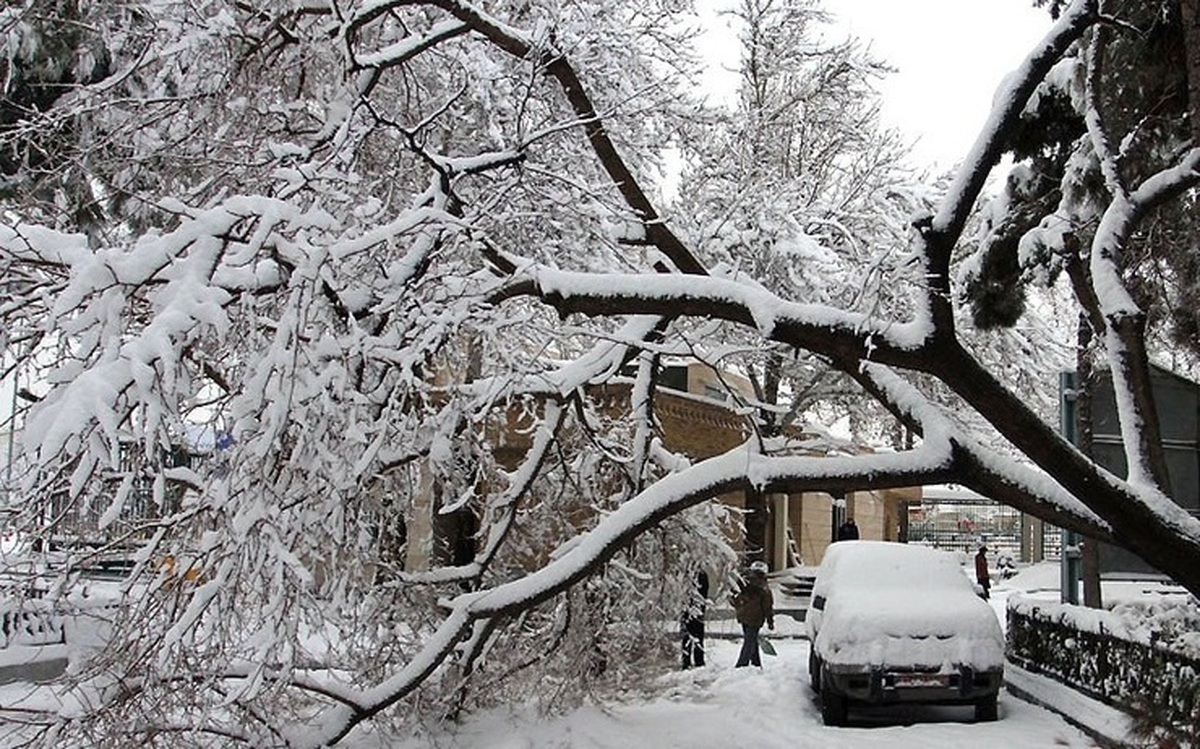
557,65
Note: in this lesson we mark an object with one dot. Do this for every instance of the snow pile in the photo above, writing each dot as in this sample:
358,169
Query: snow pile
1172,622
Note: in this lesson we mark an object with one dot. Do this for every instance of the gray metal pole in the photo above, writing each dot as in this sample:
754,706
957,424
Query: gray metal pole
1071,564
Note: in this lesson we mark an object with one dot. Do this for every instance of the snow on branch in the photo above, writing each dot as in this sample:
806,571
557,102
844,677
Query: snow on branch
190,275
816,327
557,65
597,364
993,474
1110,165
1122,315
1169,183
404,50
742,468
1009,100
504,507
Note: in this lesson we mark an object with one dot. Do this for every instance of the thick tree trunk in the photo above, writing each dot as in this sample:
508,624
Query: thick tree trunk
758,516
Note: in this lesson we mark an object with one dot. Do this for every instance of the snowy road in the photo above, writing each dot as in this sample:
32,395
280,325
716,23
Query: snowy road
723,708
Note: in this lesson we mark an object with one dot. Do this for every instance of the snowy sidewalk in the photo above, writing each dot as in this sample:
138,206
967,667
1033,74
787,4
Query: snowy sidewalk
1107,725
32,663
721,707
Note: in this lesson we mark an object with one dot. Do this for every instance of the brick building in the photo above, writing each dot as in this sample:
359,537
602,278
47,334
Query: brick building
696,420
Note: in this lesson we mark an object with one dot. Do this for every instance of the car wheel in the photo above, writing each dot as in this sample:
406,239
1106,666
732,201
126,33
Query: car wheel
986,709
833,706
814,671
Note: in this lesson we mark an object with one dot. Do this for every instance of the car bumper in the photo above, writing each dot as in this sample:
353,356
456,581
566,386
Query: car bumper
883,686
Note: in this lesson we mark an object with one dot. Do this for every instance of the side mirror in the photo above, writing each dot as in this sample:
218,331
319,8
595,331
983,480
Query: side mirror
818,603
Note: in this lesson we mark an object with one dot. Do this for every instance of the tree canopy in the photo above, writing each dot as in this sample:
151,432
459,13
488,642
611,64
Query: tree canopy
395,257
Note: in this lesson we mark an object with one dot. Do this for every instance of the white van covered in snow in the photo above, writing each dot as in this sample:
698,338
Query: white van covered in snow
893,623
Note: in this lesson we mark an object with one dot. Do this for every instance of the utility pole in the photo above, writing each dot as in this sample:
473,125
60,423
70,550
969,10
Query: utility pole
1068,391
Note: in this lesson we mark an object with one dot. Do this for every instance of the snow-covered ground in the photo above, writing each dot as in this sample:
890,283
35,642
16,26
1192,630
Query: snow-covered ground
720,706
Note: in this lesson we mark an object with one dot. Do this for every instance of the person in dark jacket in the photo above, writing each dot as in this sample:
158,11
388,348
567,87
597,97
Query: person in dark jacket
848,531
753,606
692,622
981,572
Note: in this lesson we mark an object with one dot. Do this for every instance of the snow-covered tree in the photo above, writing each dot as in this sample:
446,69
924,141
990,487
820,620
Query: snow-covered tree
400,258
805,131
1112,116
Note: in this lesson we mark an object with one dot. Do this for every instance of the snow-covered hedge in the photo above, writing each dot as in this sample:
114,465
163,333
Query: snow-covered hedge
29,622
1135,660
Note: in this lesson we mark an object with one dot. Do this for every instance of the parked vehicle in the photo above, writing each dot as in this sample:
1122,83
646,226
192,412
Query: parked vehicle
891,623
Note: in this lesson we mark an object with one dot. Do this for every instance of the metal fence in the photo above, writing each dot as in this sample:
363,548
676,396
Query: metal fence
1142,678
78,520
30,622
962,524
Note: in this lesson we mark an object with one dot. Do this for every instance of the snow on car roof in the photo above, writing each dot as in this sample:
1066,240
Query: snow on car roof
889,603
875,563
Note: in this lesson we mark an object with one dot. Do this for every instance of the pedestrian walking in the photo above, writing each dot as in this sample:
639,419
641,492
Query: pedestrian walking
753,605
981,572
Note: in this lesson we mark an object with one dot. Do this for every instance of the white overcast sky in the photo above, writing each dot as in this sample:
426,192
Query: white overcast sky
949,54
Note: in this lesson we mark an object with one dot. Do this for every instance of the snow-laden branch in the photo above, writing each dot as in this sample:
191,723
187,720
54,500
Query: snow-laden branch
596,365
642,406
1014,483
1025,488
1122,316
1009,101
526,47
849,339
820,328
1168,183
937,236
739,469
1108,157
503,508
385,232
400,52
190,273
1125,506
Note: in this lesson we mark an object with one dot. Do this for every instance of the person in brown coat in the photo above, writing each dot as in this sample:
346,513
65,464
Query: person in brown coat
753,606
